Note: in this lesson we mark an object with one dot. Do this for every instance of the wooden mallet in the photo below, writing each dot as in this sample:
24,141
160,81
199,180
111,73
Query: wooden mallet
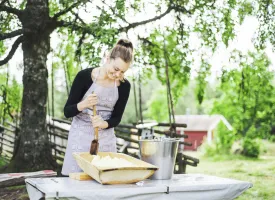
94,144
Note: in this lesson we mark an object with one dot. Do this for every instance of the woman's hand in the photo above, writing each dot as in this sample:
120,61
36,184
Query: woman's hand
97,121
88,102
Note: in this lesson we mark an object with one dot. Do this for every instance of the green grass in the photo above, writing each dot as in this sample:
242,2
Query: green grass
260,172
16,187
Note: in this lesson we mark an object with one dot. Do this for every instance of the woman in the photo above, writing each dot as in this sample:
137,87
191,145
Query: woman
106,88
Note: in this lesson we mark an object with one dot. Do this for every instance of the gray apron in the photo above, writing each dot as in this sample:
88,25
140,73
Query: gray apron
82,132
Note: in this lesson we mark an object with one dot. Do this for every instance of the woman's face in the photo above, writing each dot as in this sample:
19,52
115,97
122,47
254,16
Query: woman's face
116,68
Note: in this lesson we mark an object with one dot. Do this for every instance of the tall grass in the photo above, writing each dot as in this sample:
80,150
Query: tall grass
260,172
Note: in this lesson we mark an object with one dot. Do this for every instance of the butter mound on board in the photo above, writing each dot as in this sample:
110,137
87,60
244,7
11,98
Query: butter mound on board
107,161
114,171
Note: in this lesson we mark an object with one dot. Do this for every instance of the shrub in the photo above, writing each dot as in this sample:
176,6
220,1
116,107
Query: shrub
272,138
251,147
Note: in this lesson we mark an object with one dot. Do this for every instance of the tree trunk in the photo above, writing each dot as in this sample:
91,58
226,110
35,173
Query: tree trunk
34,150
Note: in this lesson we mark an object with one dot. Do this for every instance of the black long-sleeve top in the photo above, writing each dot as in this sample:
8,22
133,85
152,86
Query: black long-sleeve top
82,83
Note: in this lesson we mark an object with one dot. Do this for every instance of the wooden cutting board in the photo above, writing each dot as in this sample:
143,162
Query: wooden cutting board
81,176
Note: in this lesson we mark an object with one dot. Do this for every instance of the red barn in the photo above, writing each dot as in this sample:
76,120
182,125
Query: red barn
200,128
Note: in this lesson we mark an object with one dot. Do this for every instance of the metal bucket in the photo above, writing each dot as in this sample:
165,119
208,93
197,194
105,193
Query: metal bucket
161,153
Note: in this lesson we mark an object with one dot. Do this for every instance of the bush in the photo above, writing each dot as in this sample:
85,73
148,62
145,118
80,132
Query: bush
208,150
224,139
272,138
237,147
251,147
221,144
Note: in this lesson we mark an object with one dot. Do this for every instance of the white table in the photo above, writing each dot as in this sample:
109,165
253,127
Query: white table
181,186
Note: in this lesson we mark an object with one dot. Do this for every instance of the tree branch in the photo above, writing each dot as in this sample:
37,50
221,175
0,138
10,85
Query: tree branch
133,25
113,11
182,9
11,10
80,42
4,36
4,97
148,42
15,45
62,23
74,26
77,17
88,30
170,8
3,2
76,4
6,1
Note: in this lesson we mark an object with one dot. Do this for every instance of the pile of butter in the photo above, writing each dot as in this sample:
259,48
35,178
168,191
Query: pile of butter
107,161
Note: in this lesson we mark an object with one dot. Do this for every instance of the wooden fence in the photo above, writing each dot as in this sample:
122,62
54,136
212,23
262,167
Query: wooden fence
127,140
8,135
